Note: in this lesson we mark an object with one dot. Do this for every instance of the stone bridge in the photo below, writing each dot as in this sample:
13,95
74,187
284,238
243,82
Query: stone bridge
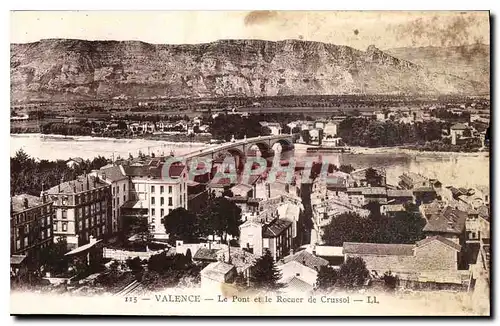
242,148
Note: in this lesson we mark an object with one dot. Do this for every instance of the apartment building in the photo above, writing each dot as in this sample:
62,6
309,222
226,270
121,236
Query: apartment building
154,196
83,209
116,177
31,221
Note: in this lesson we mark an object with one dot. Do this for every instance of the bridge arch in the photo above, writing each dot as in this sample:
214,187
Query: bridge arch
286,143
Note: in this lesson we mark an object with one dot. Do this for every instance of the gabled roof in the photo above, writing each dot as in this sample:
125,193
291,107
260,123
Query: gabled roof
17,259
450,220
81,183
295,284
113,173
307,259
382,249
275,228
439,238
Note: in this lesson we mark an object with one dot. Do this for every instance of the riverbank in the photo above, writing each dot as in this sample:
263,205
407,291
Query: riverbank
55,147
397,150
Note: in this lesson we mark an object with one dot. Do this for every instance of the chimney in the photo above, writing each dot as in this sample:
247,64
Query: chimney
25,203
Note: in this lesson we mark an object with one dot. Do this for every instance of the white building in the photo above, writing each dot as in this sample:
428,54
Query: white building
154,196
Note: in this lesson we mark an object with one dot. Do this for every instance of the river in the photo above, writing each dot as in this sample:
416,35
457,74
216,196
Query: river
459,169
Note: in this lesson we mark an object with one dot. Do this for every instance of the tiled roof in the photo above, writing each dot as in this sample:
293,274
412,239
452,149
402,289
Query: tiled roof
81,183
206,254
142,171
113,173
441,239
378,249
17,259
275,228
295,284
412,177
240,258
450,220
307,259
78,160
18,202
459,126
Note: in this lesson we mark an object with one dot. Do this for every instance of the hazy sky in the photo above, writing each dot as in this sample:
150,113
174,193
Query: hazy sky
357,29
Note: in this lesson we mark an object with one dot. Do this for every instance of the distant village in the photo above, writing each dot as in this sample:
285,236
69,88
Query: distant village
465,124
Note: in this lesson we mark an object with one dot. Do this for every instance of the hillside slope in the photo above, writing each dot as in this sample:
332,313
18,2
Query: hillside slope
59,70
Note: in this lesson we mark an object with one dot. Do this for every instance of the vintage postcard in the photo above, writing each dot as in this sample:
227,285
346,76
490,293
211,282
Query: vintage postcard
322,163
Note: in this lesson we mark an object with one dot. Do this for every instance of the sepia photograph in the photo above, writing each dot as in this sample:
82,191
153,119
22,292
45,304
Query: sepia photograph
250,163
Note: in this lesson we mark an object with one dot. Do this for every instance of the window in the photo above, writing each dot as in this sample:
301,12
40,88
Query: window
152,188
124,188
18,244
25,241
162,212
80,224
124,199
152,200
162,189
113,191
47,209
117,190
170,201
169,210
64,226
153,220
162,201
169,189
64,214
118,201
153,212
55,227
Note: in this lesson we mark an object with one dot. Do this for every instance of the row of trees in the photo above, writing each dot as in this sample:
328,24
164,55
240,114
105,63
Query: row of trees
28,175
372,133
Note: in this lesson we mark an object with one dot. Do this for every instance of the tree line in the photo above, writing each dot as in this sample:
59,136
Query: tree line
29,176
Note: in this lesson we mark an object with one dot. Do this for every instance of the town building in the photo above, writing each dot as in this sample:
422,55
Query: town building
31,220
216,276
74,162
266,231
434,259
457,131
83,209
274,127
153,195
115,176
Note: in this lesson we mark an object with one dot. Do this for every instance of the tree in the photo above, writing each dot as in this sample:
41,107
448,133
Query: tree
221,217
182,224
264,273
353,273
53,259
373,178
346,168
390,281
135,265
327,277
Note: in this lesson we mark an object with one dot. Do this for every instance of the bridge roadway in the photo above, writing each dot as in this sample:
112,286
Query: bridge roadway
241,142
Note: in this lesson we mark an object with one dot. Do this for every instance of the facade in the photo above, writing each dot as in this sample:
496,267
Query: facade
269,233
31,222
115,176
153,196
457,131
83,209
